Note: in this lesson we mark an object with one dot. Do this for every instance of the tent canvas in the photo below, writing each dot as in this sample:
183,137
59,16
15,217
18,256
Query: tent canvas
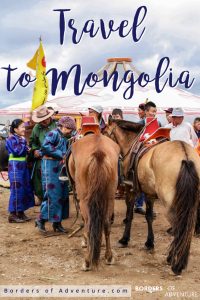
170,97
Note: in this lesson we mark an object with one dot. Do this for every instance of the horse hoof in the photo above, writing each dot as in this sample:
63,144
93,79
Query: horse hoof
110,261
120,245
85,268
176,271
149,248
83,244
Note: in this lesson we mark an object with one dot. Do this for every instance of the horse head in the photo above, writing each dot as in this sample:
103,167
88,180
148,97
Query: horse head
122,132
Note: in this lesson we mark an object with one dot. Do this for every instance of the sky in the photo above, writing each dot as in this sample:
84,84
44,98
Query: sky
172,29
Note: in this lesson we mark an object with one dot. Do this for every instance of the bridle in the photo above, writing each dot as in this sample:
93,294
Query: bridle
135,140
109,134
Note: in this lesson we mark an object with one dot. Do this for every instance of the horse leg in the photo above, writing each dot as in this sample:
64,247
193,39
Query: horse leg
85,243
87,262
149,217
197,226
108,254
127,201
123,242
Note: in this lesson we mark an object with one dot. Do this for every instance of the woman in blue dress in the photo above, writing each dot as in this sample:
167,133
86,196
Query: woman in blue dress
21,194
55,206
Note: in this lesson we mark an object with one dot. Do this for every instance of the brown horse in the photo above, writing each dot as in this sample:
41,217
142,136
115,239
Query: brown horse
170,172
93,168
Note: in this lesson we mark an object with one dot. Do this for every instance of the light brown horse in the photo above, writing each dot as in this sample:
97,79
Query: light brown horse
170,172
93,167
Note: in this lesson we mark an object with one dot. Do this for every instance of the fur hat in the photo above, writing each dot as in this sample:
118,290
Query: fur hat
67,122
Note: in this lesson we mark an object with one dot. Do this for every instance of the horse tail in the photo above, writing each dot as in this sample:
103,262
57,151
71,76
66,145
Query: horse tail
184,209
98,178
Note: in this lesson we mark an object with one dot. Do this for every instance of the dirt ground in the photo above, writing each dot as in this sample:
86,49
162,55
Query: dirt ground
28,258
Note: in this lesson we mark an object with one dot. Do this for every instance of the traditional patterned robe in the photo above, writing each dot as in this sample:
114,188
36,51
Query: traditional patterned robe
21,194
55,205
36,140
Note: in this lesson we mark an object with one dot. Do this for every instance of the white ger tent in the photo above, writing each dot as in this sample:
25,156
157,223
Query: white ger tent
170,97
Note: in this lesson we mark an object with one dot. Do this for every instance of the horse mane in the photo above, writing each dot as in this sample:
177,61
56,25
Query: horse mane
128,125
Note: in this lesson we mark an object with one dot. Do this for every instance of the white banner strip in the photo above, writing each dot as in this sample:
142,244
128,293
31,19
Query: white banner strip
72,291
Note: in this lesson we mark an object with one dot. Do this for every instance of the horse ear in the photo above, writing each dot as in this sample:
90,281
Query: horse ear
110,119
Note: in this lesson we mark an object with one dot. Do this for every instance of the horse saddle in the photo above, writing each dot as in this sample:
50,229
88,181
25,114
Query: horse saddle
136,154
161,132
89,126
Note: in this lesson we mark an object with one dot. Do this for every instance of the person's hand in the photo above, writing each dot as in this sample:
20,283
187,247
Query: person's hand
28,149
37,154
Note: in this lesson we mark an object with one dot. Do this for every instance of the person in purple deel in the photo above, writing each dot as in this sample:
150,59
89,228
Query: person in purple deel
21,193
55,206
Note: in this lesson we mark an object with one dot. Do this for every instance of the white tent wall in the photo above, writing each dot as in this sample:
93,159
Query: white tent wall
104,96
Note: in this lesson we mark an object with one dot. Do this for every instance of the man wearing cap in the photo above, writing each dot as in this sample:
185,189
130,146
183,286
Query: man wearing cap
55,206
168,112
182,131
96,111
42,116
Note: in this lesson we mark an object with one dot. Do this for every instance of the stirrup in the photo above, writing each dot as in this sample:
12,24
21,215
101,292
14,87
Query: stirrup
128,182
63,178
63,174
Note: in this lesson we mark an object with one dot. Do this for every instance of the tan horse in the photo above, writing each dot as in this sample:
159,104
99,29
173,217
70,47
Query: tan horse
170,172
93,167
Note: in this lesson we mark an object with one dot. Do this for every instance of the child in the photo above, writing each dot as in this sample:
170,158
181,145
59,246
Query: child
21,194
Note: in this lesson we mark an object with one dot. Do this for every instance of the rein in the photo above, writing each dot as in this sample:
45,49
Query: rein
75,199
136,139
133,143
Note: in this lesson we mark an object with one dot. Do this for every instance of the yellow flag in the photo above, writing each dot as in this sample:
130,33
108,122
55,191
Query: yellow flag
41,86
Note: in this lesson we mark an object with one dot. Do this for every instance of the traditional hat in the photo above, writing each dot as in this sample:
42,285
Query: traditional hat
97,108
67,122
177,112
168,110
42,113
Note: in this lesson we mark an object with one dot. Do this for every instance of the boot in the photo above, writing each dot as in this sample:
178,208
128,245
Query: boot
21,215
57,226
13,218
41,225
